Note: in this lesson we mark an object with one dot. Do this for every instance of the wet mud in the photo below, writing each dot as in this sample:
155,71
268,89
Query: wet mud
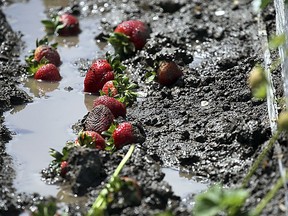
207,124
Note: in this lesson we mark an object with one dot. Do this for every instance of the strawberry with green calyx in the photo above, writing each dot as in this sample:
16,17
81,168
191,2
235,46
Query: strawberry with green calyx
129,36
44,53
98,119
46,72
91,139
116,107
123,134
60,164
109,89
64,25
102,71
126,91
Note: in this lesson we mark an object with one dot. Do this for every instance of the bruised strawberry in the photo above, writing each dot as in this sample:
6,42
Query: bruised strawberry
64,25
116,107
127,133
49,53
98,119
48,72
129,36
91,139
63,168
109,89
168,73
98,74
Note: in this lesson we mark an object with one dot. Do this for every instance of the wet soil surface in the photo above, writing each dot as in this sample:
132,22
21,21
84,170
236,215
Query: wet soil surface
207,124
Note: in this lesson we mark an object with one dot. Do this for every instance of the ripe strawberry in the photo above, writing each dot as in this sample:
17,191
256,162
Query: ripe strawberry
64,25
168,73
127,133
48,72
63,168
98,74
91,139
129,36
116,107
49,53
109,89
98,119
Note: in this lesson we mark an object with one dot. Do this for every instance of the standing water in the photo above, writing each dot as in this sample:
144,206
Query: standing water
46,123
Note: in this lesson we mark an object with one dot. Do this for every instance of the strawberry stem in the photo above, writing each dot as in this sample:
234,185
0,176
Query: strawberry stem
113,186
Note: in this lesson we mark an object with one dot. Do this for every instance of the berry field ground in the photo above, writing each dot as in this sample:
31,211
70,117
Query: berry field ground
207,125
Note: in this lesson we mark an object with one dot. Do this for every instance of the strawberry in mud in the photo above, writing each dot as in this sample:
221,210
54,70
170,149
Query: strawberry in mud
91,139
116,107
123,134
168,73
97,75
98,119
64,25
47,72
129,36
63,168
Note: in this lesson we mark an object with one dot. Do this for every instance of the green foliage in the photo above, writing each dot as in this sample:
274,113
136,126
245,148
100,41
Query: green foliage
218,200
260,4
276,41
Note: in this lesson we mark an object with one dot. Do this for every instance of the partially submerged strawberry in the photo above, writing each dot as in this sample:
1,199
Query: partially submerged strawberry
91,139
43,54
116,107
98,119
123,134
98,74
168,73
63,168
129,36
64,25
48,72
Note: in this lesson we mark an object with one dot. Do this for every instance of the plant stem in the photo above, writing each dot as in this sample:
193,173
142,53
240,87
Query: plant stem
124,160
260,158
259,208
99,206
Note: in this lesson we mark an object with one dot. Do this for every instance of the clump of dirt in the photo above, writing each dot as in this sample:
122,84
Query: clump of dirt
207,123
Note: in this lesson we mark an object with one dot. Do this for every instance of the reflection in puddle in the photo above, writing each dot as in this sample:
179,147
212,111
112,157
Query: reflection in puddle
46,123
182,184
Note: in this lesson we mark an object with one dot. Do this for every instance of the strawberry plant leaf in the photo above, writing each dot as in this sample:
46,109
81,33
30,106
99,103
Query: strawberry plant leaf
276,41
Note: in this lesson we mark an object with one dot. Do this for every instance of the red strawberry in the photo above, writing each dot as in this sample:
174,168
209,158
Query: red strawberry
116,107
98,74
98,119
129,36
47,52
109,89
91,139
48,72
126,133
64,25
70,25
63,168
168,73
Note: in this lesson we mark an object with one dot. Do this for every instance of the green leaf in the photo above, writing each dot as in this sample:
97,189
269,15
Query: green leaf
276,41
217,199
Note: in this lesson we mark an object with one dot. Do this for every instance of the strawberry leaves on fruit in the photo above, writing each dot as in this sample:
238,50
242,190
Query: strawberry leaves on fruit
32,64
64,25
122,44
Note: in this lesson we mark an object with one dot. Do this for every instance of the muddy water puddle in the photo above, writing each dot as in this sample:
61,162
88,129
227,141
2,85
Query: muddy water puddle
46,123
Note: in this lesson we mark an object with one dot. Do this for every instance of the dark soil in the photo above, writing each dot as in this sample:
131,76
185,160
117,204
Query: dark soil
207,124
